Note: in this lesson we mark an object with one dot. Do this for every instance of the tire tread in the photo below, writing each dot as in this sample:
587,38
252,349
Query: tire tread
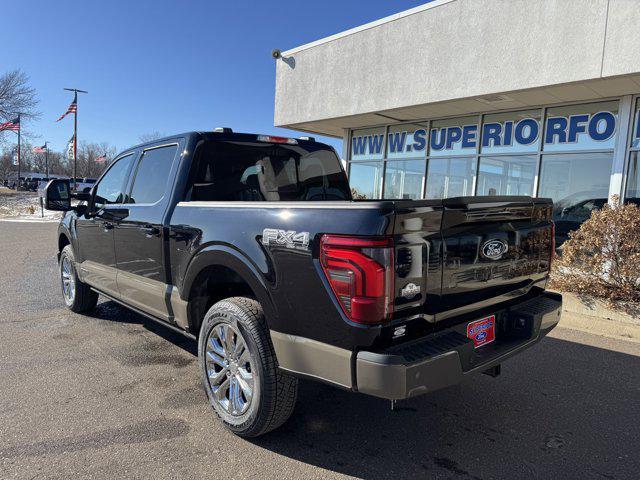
280,389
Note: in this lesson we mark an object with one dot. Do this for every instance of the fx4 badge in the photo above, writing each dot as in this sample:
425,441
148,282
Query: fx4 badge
285,238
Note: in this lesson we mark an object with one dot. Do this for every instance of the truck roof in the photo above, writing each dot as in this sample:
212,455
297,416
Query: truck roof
229,135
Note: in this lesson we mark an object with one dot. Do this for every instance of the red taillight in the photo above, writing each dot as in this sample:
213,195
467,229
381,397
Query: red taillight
360,272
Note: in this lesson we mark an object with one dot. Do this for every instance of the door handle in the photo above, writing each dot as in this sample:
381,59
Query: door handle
150,231
106,226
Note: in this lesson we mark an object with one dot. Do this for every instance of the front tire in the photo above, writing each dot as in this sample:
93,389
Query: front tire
78,296
239,370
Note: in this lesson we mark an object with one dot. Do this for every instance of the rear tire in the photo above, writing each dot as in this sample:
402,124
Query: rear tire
239,369
78,296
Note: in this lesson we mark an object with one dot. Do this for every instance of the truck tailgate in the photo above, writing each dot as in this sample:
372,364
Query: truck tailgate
468,253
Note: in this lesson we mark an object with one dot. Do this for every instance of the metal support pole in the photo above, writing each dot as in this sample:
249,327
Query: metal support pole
46,159
75,135
75,148
19,128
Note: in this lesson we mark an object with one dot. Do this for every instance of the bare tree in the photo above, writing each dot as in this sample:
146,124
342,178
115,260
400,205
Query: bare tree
87,155
6,163
16,96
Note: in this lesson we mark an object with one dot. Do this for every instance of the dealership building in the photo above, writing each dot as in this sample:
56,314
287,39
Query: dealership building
479,97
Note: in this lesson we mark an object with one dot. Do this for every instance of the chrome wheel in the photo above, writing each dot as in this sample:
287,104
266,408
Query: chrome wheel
68,280
230,371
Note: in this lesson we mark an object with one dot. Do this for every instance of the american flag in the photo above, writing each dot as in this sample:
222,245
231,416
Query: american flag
12,125
73,108
101,159
41,149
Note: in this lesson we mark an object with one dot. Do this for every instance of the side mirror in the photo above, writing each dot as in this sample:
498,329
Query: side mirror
57,195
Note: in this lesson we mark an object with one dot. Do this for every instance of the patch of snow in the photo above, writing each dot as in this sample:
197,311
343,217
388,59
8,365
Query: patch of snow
24,207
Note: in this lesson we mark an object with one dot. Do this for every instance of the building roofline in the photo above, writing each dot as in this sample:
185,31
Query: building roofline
367,26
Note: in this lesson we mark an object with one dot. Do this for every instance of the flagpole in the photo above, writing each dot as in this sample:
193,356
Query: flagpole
75,134
46,159
75,147
19,128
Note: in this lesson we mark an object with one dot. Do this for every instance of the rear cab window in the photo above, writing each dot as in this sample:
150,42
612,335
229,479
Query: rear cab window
256,171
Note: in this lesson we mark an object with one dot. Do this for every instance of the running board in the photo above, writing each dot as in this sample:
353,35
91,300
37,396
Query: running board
147,315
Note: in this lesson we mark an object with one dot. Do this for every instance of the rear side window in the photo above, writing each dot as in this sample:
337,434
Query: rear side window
243,171
152,175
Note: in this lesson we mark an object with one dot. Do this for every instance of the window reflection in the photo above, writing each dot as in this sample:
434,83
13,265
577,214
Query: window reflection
365,179
506,175
404,179
578,184
450,177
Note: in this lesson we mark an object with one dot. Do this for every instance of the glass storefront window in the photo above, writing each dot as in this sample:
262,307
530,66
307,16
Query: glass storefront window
506,175
367,144
635,135
407,141
404,179
454,136
512,132
591,126
365,179
450,177
633,182
578,183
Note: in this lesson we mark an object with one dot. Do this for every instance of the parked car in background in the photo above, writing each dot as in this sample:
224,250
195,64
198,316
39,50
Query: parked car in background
82,184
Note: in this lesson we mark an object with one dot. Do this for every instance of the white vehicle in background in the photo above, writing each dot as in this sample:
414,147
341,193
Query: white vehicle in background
82,184
42,182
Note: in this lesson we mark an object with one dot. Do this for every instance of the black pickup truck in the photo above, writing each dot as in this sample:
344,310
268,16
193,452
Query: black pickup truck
253,245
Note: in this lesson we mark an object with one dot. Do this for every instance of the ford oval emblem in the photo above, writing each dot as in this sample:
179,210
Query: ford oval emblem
494,249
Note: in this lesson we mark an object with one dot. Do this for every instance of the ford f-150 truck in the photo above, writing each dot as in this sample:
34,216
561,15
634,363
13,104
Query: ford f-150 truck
253,245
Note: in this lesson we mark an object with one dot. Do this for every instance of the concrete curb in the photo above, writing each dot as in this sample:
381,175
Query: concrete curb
594,316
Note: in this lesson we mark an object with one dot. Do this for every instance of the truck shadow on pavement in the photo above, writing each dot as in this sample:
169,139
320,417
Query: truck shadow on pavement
559,410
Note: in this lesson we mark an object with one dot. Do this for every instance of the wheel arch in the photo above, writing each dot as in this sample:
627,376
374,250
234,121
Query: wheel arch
220,272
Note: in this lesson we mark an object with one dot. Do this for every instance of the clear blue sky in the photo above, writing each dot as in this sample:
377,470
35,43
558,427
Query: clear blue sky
166,66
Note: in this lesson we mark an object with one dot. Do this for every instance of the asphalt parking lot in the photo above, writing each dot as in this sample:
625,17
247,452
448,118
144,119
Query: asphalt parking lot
113,395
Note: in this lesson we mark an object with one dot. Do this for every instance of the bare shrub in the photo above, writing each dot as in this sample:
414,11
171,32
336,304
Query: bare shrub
602,257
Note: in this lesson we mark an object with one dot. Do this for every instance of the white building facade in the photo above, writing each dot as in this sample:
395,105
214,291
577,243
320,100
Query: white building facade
479,97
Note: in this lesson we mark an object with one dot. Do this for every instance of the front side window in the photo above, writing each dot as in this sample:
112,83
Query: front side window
152,175
111,187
